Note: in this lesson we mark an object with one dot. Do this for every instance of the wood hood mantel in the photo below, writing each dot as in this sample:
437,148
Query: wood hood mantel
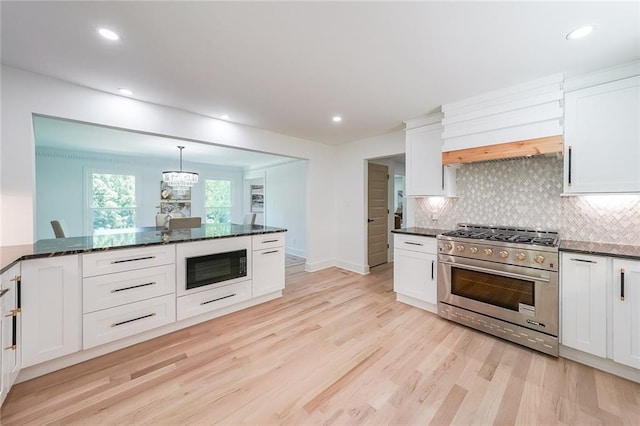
525,148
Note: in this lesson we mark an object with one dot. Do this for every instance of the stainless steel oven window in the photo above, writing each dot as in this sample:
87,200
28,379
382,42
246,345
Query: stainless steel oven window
506,292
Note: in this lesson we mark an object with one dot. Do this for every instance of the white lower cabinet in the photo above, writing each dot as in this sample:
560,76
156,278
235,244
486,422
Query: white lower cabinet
10,330
51,308
210,300
626,312
107,291
600,306
584,303
107,325
268,271
415,271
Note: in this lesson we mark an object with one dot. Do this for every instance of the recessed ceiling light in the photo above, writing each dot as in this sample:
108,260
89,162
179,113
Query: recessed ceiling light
581,32
337,119
125,92
225,116
108,34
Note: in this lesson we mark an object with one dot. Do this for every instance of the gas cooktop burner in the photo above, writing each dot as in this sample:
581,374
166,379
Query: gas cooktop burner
505,234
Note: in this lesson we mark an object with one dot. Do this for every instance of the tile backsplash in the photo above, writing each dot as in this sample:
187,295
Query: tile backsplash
526,192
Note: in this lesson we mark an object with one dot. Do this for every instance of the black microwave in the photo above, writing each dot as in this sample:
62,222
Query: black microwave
216,268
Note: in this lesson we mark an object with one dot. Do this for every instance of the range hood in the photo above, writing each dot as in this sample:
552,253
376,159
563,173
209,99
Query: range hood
523,148
517,121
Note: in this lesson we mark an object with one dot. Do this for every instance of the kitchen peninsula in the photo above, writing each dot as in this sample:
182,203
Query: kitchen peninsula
76,298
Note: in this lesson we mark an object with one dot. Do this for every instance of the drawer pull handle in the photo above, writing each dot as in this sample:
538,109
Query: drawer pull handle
133,260
269,241
271,251
413,244
219,298
132,287
115,324
584,260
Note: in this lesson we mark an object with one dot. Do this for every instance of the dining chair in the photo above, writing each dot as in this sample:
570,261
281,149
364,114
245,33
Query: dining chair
249,219
58,230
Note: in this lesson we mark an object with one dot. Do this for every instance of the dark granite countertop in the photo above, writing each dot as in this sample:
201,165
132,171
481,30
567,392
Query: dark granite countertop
423,232
125,238
603,249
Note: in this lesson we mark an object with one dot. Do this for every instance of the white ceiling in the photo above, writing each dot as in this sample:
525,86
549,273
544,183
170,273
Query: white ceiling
75,136
289,67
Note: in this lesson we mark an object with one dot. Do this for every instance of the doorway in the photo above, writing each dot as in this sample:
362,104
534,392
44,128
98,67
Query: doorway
377,214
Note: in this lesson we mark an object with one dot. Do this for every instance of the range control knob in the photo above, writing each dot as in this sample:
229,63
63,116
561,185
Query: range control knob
473,250
504,254
538,258
448,246
460,248
521,256
487,251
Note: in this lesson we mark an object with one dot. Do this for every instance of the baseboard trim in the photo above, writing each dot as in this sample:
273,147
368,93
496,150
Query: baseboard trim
603,364
353,267
430,307
317,266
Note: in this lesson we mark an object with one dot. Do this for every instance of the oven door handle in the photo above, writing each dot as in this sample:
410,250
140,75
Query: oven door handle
494,272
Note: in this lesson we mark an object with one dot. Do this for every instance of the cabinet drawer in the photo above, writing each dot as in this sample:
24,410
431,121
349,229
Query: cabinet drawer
210,300
122,321
127,260
416,243
107,291
265,241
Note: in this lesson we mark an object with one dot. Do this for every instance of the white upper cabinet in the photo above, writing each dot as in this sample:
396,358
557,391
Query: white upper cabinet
602,138
425,173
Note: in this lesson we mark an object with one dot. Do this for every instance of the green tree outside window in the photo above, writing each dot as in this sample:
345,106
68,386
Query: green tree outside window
113,202
217,201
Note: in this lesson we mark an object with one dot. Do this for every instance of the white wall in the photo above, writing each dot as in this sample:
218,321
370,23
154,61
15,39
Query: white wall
24,93
350,195
62,194
285,195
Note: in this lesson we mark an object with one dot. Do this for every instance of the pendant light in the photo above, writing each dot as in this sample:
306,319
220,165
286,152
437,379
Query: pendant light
180,181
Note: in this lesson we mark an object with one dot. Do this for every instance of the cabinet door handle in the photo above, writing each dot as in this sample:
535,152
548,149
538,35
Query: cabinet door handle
433,265
443,176
132,260
413,244
14,330
269,252
219,298
569,167
584,260
115,324
132,287
621,284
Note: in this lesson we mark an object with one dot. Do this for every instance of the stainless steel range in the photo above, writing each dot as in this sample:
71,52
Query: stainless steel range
503,281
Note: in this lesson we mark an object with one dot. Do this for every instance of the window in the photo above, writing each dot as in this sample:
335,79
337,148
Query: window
113,201
217,201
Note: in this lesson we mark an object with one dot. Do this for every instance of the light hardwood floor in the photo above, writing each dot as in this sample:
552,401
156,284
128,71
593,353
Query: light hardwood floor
336,349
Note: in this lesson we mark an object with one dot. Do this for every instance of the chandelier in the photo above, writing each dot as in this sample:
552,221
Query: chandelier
180,181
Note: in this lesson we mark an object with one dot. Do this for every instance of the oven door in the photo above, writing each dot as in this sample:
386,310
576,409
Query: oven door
524,296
